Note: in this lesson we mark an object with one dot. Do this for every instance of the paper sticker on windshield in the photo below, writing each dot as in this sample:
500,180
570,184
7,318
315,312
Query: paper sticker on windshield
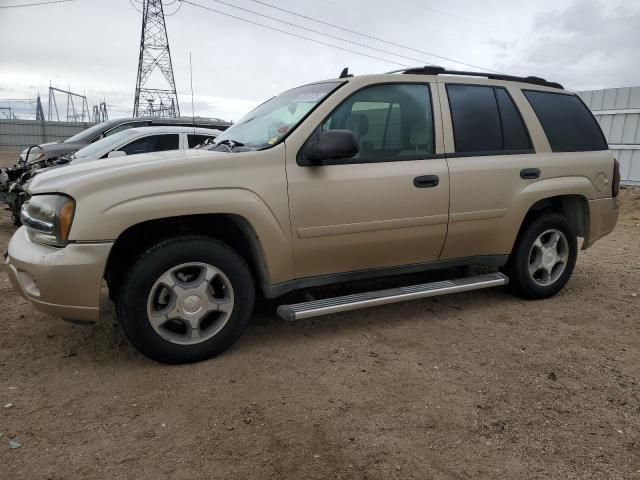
308,97
273,140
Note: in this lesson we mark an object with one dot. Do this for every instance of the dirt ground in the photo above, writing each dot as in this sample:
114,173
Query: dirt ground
475,385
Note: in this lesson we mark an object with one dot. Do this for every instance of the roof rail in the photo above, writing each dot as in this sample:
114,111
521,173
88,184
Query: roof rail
435,70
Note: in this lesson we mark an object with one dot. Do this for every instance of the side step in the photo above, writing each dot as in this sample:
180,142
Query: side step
315,308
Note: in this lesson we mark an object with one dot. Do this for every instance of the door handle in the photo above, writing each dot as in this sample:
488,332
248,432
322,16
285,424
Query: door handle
529,173
426,181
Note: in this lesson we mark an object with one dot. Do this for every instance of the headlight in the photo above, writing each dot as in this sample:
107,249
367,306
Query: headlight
48,219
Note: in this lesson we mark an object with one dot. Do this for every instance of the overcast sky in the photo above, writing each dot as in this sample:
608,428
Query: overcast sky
92,46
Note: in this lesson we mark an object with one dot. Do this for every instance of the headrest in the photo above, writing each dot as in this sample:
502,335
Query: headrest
358,123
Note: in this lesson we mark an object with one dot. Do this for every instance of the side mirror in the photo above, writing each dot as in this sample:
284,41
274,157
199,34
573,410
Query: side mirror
330,144
116,154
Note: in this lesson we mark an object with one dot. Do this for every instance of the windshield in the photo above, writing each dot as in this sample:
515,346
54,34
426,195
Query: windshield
266,124
104,143
85,136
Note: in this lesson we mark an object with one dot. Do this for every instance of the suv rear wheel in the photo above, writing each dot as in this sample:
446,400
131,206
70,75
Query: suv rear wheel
543,258
186,299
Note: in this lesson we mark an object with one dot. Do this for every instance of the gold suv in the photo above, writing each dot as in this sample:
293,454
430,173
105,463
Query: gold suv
339,180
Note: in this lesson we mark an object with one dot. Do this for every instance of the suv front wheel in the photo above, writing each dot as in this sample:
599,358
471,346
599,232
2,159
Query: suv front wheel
543,258
186,299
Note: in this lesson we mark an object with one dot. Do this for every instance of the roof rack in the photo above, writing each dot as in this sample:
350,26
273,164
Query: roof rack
435,70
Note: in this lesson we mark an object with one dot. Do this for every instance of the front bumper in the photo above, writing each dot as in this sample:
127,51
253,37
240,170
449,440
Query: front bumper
603,216
64,282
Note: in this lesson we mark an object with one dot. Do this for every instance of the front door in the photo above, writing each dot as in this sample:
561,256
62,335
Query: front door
388,206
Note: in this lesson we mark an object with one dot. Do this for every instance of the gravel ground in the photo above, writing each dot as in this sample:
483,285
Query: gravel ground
475,385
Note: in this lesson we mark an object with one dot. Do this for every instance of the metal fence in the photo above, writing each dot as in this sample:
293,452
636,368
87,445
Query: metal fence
18,134
618,112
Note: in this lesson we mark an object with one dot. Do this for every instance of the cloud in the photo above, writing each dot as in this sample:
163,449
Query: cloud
588,44
583,44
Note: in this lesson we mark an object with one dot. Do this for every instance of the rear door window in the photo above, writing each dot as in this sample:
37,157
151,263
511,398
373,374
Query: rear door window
152,143
567,122
485,120
514,132
476,121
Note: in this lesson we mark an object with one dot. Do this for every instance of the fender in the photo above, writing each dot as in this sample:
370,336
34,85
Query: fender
551,187
274,240
578,186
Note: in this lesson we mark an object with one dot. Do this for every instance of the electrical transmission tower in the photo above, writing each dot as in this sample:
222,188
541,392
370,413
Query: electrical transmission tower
39,110
155,56
100,113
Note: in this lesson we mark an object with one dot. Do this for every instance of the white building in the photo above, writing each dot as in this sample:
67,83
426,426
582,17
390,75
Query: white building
618,111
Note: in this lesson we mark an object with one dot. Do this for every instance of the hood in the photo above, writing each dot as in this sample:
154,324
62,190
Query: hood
53,149
41,145
87,175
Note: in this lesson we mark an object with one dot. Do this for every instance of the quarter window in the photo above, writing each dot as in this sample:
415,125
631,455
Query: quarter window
391,122
485,120
567,122
195,140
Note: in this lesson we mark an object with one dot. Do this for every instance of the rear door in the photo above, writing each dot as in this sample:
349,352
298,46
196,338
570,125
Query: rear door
388,206
488,145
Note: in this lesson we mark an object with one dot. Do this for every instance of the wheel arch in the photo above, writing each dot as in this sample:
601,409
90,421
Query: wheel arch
574,207
231,229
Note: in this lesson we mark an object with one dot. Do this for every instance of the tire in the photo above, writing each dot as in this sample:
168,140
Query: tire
186,299
531,269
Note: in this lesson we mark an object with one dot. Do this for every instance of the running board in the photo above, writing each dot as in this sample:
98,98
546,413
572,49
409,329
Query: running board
315,308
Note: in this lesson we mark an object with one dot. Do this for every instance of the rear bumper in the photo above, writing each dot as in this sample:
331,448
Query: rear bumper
64,282
603,216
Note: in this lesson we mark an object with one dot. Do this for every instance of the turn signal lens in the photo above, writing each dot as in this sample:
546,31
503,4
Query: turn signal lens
65,218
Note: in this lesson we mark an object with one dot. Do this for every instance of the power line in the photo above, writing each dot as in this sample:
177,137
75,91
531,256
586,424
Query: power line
175,11
135,8
35,4
335,37
372,37
293,34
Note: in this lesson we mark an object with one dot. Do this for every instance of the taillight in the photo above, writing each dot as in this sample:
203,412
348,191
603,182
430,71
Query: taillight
615,187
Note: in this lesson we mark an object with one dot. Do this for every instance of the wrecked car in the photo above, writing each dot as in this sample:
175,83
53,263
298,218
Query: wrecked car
47,155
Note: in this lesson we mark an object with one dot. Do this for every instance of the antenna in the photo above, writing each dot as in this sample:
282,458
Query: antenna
193,113
345,73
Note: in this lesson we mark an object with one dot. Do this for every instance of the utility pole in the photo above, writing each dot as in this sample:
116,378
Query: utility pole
155,56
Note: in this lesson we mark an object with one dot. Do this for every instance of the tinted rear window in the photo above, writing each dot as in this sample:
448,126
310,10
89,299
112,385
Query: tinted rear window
485,120
476,121
567,122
